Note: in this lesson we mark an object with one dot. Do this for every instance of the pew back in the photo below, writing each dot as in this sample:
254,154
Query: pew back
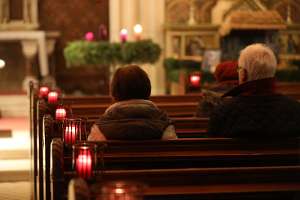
186,166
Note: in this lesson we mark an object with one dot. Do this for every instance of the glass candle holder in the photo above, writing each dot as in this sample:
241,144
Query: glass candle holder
122,190
74,130
43,92
53,97
195,80
85,159
60,113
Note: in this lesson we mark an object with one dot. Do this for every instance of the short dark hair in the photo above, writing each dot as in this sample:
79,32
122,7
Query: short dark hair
130,82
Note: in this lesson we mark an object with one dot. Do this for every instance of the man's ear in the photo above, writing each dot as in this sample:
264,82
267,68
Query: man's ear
243,76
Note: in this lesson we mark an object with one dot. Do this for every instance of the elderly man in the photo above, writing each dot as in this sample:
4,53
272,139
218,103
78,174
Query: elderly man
255,109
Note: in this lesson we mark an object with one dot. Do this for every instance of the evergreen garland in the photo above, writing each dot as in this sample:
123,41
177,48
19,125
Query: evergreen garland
80,53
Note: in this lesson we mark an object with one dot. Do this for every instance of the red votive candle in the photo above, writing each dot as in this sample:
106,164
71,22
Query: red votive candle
123,35
52,97
60,114
83,164
195,80
70,134
43,92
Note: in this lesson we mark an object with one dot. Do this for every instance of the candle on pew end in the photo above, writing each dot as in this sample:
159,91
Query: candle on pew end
70,134
60,114
52,97
43,92
84,163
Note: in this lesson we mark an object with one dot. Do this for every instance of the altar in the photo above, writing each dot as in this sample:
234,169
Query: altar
33,43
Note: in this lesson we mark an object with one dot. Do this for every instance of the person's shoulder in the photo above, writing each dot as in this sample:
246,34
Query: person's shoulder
288,100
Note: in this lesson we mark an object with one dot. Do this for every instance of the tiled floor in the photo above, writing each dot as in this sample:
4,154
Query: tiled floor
15,190
15,159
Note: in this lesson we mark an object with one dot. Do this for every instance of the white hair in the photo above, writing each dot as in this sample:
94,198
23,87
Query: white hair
259,61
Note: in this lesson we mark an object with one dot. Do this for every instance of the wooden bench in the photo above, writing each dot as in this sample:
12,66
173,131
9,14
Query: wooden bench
187,166
72,100
50,130
37,112
186,109
216,183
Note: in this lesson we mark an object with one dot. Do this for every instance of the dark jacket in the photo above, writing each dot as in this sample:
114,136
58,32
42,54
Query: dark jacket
256,111
133,120
213,97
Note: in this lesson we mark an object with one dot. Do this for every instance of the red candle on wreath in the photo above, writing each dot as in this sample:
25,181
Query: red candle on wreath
123,35
52,97
60,113
70,134
84,163
43,92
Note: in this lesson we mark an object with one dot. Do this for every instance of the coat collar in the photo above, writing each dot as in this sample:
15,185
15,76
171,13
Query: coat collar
257,87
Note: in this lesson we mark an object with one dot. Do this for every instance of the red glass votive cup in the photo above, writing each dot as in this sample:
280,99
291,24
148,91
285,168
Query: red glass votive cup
85,159
43,92
73,131
60,113
52,97
195,80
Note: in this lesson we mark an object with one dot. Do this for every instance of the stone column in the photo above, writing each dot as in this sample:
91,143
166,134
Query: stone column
49,79
29,49
114,20
150,14
129,16
152,18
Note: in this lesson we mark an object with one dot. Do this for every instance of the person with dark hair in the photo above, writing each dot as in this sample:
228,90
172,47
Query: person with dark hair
133,116
227,78
255,109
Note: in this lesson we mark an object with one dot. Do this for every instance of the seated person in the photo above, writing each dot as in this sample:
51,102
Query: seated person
255,109
227,78
133,116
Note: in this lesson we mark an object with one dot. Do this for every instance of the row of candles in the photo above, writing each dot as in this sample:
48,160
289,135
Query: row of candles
84,156
73,131
137,30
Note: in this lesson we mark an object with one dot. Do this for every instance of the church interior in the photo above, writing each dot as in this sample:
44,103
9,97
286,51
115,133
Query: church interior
58,58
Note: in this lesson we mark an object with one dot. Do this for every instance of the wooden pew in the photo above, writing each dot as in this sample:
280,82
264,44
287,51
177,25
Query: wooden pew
50,131
33,141
174,105
261,191
68,100
37,132
202,152
186,109
288,87
185,127
183,167
200,182
38,108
